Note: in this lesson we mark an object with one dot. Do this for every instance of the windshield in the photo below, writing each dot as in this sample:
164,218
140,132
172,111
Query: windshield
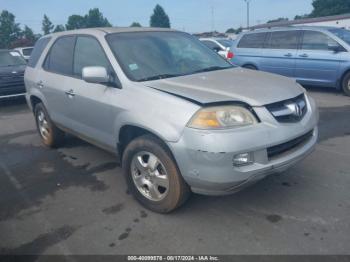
343,34
155,55
226,42
11,58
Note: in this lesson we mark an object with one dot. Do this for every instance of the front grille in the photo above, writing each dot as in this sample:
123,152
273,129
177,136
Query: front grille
289,111
285,147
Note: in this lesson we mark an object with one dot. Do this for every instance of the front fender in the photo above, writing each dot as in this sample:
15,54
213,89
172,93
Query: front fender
165,130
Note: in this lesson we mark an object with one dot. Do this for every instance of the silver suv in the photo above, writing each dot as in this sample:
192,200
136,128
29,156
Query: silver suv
180,117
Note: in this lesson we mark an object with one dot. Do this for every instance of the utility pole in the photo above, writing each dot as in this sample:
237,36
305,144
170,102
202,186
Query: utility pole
212,18
248,4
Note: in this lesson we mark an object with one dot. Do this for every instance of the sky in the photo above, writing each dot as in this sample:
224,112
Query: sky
188,15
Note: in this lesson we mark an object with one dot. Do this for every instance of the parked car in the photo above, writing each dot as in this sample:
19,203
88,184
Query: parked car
12,66
180,117
316,56
219,45
25,52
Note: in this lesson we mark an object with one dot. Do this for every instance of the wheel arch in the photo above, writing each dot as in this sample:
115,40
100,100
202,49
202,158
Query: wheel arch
129,132
341,79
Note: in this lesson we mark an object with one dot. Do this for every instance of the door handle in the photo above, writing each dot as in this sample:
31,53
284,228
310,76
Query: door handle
304,55
70,93
40,84
288,55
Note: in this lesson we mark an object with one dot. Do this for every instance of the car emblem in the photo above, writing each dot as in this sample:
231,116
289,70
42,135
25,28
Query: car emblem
295,109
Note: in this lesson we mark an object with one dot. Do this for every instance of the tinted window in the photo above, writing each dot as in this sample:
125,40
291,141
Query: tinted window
38,49
343,34
226,42
211,44
88,52
284,40
60,58
11,58
253,40
27,51
317,41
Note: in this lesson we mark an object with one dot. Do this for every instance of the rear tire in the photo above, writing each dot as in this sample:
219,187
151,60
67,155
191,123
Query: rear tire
346,84
51,135
152,175
251,67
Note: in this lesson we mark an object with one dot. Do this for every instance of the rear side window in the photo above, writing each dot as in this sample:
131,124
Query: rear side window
211,44
27,51
88,52
313,40
60,58
284,40
37,51
252,40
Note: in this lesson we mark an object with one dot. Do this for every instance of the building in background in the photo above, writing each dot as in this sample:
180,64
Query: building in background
341,21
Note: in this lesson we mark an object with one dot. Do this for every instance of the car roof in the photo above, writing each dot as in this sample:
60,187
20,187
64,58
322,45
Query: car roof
23,47
214,38
111,30
288,28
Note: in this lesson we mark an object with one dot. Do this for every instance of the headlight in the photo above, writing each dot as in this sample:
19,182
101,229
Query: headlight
221,117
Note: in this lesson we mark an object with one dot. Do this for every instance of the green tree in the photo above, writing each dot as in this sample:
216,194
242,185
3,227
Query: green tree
280,19
59,28
330,7
47,25
96,19
9,29
75,22
298,17
231,31
135,24
159,18
28,34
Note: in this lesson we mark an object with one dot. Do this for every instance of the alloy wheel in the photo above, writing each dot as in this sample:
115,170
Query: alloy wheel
149,176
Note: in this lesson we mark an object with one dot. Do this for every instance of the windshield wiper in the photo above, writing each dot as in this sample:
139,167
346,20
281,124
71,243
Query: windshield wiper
157,77
212,68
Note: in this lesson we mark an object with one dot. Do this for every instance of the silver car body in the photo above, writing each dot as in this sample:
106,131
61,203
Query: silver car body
164,107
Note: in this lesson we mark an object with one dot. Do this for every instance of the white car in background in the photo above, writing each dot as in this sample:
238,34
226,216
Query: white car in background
25,52
219,45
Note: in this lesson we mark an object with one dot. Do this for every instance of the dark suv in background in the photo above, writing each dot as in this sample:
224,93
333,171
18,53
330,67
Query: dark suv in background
12,66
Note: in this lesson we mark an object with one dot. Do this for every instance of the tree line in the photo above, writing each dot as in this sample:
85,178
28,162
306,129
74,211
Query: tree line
320,8
12,35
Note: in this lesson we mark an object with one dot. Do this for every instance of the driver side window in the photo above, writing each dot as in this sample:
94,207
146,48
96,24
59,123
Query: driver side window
317,41
88,52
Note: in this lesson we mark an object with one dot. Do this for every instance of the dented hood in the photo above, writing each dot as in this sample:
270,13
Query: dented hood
252,87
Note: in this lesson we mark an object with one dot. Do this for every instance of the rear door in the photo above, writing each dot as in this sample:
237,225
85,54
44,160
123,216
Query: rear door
316,64
249,50
280,52
54,80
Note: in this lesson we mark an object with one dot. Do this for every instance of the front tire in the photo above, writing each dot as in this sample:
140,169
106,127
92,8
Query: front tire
50,135
346,84
152,175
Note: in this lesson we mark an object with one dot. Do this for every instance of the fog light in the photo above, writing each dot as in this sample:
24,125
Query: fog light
243,159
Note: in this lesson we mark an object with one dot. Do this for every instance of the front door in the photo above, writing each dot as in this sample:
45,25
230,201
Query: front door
316,64
93,105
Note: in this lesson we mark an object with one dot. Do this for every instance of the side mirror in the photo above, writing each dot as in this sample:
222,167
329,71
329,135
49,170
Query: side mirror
95,74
